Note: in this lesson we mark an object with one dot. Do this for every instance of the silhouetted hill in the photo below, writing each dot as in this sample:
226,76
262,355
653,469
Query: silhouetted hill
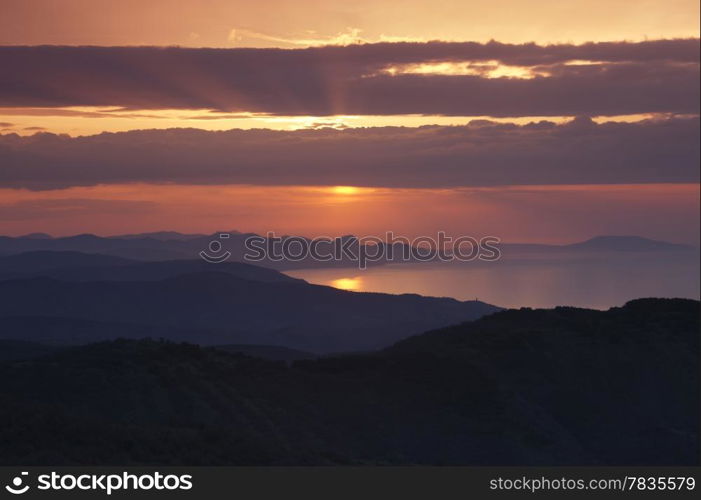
175,246
44,335
42,260
76,266
626,244
598,244
18,350
159,235
623,381
37,236
48,330
527,387
130,248
271,352
642,321
288,313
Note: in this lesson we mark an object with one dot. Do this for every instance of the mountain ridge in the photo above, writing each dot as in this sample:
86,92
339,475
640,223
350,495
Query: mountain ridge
563,386
290,313
188,247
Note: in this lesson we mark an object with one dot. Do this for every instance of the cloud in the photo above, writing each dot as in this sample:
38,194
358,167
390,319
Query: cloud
104,113
620,78
311,39
484,154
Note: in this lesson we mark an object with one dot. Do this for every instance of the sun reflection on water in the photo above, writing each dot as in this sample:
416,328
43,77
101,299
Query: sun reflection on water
354,283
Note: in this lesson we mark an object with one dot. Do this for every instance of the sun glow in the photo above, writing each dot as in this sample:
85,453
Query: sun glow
345,190
91,120
484,69
354,283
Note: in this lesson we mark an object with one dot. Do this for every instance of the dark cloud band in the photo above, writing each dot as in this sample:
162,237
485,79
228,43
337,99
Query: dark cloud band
483,154
655,76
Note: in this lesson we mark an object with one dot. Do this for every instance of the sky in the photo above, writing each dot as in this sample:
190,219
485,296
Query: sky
533,121
299,23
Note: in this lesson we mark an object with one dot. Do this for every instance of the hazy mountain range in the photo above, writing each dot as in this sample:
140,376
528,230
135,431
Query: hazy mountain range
169,245
86,288
50,297
78,266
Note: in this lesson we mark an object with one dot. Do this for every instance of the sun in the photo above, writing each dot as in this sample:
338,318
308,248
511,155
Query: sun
346,190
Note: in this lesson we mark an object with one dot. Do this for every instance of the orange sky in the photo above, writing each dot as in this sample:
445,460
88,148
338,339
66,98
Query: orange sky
526,213
89,121
557,214
296,23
